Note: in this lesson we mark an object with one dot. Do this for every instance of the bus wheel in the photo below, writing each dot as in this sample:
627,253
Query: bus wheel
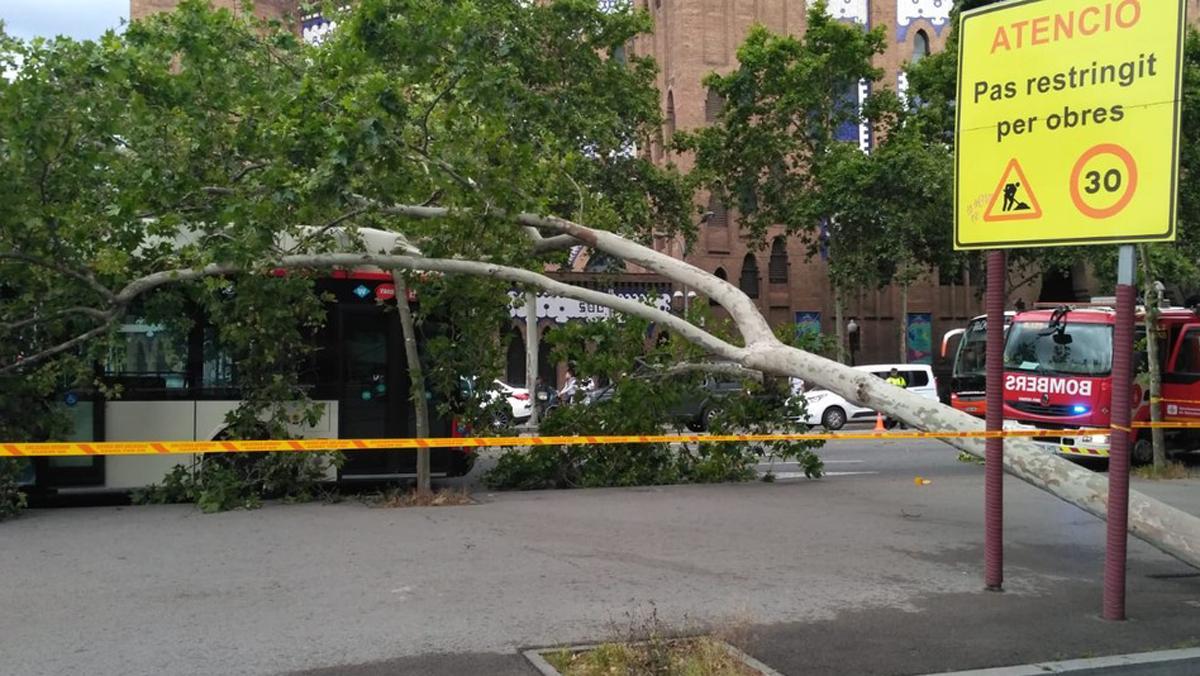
1142,452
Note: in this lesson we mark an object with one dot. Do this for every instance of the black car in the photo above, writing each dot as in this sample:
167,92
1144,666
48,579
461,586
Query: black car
698,407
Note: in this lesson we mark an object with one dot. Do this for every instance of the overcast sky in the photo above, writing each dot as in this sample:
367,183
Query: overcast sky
81,19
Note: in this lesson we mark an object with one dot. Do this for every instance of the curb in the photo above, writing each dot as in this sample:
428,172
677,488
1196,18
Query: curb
546,669
1184,662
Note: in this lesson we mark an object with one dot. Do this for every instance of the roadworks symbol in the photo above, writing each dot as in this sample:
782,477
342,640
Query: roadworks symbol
1013,199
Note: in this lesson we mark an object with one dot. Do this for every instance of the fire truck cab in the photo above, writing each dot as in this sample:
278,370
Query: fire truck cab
1058,376
968,378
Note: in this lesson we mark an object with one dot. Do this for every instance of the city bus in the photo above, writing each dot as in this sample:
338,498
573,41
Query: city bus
180,388
1058,377
968,374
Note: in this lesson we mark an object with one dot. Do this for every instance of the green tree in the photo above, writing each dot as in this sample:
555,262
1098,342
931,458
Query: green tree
198,151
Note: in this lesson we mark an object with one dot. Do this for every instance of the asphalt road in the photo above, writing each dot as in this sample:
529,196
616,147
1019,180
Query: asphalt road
864,571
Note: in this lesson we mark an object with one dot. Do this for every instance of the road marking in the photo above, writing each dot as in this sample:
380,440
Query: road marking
800,475
796,464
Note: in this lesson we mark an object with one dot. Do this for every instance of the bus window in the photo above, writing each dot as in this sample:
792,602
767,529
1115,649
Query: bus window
148,357
217,371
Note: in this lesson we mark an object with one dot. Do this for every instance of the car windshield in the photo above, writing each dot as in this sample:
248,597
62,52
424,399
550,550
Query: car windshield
972,351
1074,349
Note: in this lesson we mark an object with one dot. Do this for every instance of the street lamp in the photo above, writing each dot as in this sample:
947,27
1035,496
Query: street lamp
686,298
853,337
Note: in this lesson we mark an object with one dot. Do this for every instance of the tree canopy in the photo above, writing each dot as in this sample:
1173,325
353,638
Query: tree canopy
200,138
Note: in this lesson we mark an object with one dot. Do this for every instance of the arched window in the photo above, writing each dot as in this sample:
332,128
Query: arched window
920,46
670,117
720,274
718,215
515,366
777,267
714,105
749,281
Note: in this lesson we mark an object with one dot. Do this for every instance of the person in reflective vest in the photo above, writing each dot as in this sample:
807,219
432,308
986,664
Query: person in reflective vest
894,378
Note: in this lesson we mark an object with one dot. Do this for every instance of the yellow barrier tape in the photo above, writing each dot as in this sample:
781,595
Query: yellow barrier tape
304,445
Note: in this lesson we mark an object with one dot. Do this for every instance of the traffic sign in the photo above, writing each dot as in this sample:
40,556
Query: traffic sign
1068,123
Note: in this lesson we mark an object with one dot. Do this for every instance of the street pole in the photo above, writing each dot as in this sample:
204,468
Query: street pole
531,355
993,484
1118,456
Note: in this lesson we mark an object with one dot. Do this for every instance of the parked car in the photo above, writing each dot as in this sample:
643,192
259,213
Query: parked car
696,410
519,403
832,411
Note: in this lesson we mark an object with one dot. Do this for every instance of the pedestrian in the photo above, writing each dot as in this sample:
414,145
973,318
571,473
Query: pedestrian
569,389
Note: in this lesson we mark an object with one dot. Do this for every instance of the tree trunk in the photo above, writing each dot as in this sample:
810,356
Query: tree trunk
839,319
416,376
904,323
531,355
1153,301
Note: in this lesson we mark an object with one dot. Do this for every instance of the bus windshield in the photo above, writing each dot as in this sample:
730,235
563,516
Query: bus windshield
1076,349
972,350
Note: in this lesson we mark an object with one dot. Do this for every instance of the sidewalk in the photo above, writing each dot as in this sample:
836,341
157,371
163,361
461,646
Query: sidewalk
853,575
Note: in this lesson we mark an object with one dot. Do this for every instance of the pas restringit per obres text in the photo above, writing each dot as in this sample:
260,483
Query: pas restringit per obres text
1074,24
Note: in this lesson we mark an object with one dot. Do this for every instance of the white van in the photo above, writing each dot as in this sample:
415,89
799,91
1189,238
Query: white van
832,411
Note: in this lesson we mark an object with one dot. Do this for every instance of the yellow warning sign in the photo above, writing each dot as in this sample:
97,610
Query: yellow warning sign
1068,123
1018,203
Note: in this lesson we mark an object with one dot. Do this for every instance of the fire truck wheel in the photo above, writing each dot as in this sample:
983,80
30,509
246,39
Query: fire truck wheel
1142,452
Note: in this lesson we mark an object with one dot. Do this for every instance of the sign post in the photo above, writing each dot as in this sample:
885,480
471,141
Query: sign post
993,462
1067,133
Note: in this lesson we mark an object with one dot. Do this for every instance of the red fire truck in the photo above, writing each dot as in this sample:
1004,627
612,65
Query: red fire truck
967,377
1058,376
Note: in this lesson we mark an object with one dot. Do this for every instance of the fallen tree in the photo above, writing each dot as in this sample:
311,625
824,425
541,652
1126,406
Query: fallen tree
1167,528
462,135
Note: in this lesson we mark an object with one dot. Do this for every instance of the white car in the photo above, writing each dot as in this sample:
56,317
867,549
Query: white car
519,402
832,411
520,405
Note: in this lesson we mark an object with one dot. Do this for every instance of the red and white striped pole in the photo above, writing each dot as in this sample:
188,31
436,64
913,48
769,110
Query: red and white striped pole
993,482
1118,456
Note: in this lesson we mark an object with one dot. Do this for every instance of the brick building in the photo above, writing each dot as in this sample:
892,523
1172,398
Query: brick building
267,9
693,38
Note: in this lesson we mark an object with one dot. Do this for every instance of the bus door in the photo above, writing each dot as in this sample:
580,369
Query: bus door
1181,382
85,415
373,400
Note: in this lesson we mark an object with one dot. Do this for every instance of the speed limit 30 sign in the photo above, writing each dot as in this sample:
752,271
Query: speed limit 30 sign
1068,123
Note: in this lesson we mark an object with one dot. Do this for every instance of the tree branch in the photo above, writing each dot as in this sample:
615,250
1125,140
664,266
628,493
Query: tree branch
61,347
717,368
319,231
446,167
425,136
542,244
743,310
84,276
66,312
249,167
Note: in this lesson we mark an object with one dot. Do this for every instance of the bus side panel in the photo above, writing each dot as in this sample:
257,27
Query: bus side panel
210,423
146,421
